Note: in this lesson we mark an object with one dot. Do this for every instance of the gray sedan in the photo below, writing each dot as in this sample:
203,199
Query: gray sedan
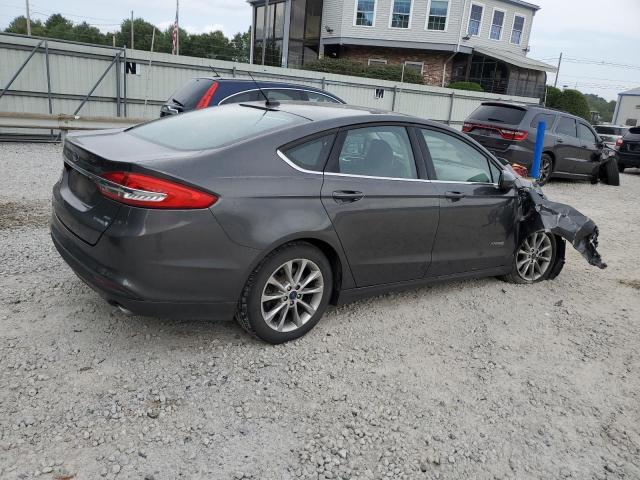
270,212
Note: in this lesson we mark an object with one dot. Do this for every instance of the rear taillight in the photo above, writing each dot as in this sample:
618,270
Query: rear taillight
517,135
206,98
521,170
467,127
619,142
145,191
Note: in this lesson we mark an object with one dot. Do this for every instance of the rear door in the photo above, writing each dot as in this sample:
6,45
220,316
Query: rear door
568,149
382,207
477,221
589,150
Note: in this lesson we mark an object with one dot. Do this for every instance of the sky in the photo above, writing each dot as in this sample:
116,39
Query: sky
583,30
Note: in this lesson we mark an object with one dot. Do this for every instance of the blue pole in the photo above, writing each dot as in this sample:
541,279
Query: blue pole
537,154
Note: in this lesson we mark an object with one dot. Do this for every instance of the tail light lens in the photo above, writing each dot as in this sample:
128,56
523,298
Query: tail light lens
619,142
145,191
206,98
467,127
505,133
521,170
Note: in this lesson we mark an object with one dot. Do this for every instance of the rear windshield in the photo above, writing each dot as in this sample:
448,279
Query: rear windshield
604,130
212,127
190,93
499,114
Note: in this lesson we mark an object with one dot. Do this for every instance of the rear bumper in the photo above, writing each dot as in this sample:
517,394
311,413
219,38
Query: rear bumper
629,160
514,153
162,273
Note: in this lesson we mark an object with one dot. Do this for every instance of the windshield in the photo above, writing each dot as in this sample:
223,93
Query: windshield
213,127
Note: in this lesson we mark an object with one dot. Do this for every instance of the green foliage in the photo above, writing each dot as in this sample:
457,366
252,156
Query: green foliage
357,69
206,45
471,86
570,101
600,105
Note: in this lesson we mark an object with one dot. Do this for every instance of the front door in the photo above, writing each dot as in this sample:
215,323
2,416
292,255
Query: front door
381,205
477,221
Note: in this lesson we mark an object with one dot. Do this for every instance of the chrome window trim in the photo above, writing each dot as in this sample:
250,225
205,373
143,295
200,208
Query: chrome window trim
334,174
221,102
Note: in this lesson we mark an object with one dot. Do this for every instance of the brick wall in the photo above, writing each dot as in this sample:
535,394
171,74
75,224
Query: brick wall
433,61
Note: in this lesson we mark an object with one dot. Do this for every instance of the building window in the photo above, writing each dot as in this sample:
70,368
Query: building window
415,66
401,13
496,25
365,12
475,19
377,61
518,28
438,12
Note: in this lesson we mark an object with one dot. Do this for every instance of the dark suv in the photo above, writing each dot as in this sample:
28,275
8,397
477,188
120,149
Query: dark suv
212,91
572,148
629,152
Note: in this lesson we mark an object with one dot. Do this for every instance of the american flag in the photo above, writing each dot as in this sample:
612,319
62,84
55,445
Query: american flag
176,41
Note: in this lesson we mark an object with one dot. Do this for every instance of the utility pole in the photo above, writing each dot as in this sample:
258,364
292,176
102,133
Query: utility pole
113,37
28,19
555,84
178,27
131,29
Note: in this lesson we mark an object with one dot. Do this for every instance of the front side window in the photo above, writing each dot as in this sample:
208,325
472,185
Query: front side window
365,12
567,126
437,18
455,160
311,155
518,28
496,25
475,19
585,134
381,151
401,13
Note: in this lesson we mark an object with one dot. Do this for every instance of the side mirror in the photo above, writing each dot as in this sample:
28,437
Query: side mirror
507,181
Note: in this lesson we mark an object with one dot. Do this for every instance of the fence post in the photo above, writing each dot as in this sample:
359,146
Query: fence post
393,101
124,81
233,71
324,83
453,95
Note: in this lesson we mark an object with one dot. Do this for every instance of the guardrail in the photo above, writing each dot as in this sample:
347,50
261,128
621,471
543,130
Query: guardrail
64,123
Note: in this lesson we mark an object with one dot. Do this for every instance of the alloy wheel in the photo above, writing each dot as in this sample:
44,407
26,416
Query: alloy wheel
291,295
534,256
545,171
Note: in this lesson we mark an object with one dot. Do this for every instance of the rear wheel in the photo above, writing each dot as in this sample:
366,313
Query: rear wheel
534,258
287,294
546,169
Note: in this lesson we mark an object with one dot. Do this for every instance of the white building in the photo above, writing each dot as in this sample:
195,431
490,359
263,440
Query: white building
627,110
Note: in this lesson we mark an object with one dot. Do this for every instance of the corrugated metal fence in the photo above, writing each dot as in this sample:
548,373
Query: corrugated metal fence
59,76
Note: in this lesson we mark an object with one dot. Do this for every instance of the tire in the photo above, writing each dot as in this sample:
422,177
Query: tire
516,275
546,169
611,172
265,319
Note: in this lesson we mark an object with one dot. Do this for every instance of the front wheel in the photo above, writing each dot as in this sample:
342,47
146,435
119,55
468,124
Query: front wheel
287,293
533,259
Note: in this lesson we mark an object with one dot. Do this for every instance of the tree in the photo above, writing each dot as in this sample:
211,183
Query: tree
19,25
570,101
600,105
553,97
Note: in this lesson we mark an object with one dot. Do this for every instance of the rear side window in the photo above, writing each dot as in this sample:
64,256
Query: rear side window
190,93
499,114
318,97
543,117
283,94
608,130
249,96
311,155
212,127
567,126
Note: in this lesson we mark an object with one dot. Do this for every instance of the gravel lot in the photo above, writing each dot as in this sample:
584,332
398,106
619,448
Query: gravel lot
466,380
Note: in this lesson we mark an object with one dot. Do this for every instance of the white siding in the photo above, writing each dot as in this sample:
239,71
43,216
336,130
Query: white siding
628,109
339,15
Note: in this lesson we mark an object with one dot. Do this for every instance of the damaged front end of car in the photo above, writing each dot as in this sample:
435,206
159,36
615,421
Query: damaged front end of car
537,213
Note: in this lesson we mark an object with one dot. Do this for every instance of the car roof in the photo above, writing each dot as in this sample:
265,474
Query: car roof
262,83
538,108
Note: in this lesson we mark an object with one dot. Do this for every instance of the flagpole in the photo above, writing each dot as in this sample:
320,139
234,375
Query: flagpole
178,27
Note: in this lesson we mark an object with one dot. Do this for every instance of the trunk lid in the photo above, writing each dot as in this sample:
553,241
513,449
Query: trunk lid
77,201
491,123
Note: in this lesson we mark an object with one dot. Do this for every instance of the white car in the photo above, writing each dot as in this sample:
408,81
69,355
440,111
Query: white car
611,135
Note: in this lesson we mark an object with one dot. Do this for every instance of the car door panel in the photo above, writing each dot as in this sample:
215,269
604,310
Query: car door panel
386,225
589,150
567,151
476,227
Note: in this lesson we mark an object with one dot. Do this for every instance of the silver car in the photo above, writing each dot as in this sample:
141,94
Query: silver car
611,135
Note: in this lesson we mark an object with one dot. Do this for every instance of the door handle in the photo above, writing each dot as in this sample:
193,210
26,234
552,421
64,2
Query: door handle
347,196
454,196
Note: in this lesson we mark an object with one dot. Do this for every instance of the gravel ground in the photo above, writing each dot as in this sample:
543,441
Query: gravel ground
466,380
